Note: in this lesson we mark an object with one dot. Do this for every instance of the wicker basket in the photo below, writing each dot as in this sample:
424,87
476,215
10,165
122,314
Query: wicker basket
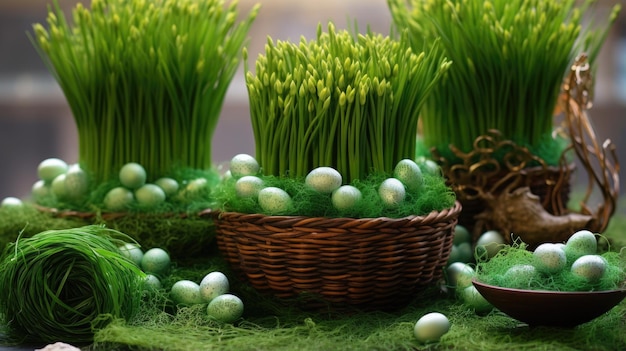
369,264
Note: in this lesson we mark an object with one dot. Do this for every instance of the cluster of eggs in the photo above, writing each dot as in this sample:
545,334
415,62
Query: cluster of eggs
579,253
407,175
212,290
71,183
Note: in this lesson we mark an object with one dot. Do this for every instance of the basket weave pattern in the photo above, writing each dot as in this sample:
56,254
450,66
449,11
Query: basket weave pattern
376,263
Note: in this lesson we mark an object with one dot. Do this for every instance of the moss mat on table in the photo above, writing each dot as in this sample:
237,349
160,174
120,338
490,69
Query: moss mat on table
268,324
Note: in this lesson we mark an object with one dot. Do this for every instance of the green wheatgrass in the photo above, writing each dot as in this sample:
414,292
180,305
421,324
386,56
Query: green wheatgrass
342,101
145,80
510,58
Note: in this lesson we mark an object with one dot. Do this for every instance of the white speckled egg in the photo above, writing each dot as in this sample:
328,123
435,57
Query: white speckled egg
248,186
346,197
155,261
132,175
225,308
549,258
590,267
391,192
581,243
50,168
150,195
410,174
132,252
169,185
243,165
490,243
186,292
274,200
431,327
324,179
213,285
118,199
459,275
473,299
520,275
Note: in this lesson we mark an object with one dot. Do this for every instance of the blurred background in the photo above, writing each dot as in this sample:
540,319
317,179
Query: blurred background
35,121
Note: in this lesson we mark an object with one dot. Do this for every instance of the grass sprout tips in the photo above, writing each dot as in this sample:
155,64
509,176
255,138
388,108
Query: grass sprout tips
145,80
345,101
510,58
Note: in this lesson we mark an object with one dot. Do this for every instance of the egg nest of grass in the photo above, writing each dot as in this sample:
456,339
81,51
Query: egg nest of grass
305,200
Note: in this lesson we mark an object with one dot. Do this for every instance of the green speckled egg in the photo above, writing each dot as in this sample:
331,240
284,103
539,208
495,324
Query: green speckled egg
324,179
213,285
346,197
391,192
225,308
156,261
581,243
410,174
274,201
243,165
186,292
118,199
549,258
132,252
248,186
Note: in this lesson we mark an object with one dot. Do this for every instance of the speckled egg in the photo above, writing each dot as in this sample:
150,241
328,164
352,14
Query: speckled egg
346,197
581,243
186,292
324,179
549,258
248,186
156,261
520,275
274,201
152,283
431,327
76,182
243,165
225,308
213,285
410,174
391,192
590,267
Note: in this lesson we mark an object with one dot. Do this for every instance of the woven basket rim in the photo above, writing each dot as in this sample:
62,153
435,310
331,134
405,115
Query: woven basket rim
433,216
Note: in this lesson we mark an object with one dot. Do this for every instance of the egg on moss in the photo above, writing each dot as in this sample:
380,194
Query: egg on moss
58,187
213,285
76,182
132,175
225,308
118,199
589,267
431,327
549,258
50,168
346,197
243,165
156,261
186,292
459,275
391,192
430,167
133,252
472,298
248,186
11,202
169,185
41,190
323,179
152,283
410,174
581,243
149,195
274,201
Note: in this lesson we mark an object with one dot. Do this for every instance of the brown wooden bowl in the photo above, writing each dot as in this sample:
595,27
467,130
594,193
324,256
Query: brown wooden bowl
551,308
